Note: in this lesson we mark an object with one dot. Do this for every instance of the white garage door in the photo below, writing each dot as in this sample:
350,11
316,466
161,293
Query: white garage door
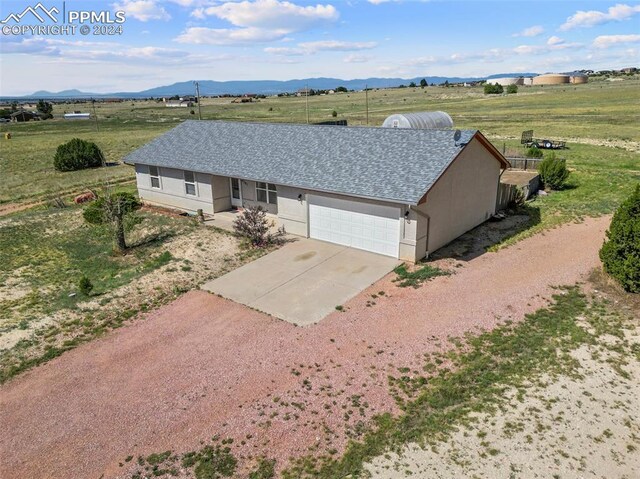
356,224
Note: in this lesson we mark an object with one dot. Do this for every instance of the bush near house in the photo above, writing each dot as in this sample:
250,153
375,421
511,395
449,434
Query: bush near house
253,224
620,254
77,154
553,172
512,89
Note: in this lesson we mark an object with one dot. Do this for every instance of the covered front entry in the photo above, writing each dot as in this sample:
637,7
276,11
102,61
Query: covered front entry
361,225
236,192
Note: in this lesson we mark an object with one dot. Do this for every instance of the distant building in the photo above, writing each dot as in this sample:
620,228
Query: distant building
178,104
76,115
24,115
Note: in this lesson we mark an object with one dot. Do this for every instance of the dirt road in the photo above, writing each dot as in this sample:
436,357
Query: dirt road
204,365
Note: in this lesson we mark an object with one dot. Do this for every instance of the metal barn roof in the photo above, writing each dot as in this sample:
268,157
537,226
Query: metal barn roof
399,166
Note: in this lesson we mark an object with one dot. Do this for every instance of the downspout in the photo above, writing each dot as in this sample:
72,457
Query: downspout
424,215
495,209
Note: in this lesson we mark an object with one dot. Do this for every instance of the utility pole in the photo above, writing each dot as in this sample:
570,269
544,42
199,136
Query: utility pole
95,115
306,88
366,100
198,99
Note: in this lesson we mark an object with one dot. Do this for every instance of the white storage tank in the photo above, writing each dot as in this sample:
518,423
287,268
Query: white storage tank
506,81
424,120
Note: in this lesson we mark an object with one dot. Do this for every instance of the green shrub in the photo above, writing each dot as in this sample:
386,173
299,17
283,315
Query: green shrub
620,254
334,113
253,224
534,152
553,172
417,276
493,89
512,89
266,469
77,154
85,286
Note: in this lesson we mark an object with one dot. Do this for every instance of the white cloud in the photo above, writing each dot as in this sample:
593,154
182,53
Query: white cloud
533,31
143,10
357,58
285,51
257,21
310,48
31,46
607,41
228,36
591,18
333,45
554,40
271,14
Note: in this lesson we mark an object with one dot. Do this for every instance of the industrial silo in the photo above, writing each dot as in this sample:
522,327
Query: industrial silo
423,120
506,81
551,79
578,77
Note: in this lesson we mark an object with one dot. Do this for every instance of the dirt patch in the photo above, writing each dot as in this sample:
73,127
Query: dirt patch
204,366
584,426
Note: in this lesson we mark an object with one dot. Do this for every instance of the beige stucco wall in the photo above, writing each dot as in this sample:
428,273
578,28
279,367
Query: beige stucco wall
171,193
249,197
221,193
463,198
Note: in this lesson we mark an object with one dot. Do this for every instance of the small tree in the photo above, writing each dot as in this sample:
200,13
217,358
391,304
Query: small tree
423,83
553,171
620,253
493,89
116,212
77,154
45,109
512,89
341,89
253,224
334,113
412,84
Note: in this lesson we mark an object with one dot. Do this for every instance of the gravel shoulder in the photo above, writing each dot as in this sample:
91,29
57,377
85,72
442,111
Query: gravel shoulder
583,426
203,365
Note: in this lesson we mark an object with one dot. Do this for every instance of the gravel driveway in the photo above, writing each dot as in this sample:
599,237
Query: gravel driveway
204,365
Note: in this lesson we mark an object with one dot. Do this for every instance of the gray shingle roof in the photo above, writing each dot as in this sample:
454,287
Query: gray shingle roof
397,165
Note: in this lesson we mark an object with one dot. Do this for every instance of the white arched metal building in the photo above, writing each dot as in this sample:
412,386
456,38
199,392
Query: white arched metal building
424,120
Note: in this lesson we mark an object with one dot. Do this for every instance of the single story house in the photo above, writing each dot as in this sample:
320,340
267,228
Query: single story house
398,192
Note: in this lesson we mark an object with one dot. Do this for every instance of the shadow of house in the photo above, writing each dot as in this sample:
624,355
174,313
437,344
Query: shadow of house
476,242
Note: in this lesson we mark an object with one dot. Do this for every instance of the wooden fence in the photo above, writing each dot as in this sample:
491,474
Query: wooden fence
524,163
506,195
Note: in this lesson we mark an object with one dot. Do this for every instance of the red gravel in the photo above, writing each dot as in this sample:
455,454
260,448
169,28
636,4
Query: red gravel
204,365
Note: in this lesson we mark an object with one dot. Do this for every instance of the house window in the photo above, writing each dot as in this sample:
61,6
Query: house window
154,174
266,193
190,183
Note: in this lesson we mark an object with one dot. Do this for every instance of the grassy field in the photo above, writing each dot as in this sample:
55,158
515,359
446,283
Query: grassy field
44,252
598,114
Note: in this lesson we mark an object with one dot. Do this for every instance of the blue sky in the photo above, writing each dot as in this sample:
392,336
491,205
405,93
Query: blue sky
164,41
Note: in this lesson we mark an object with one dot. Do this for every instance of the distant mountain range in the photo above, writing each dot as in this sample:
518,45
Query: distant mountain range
260,87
